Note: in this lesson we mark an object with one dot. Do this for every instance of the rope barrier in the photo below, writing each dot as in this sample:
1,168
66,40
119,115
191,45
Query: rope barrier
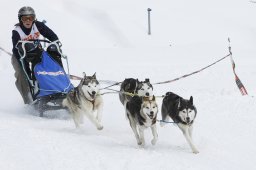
238,81
186,75
10,54
164,82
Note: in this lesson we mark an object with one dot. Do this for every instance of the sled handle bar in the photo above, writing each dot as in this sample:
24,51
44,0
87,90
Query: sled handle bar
40,40
56,42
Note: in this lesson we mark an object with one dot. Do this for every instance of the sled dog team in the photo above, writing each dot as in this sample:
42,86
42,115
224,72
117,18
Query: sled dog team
140,109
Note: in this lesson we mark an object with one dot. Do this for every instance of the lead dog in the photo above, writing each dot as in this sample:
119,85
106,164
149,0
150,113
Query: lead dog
131,86
142,113
85,100
182,112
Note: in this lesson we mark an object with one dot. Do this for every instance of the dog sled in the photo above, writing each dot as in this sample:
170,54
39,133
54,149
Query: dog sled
43,68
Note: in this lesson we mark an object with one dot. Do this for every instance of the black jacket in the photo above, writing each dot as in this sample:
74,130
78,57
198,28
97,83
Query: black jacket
42,28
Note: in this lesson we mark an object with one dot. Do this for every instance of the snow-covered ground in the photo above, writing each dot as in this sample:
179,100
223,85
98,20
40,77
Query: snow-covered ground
110,38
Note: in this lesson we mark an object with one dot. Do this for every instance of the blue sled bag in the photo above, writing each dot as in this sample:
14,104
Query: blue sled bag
51,77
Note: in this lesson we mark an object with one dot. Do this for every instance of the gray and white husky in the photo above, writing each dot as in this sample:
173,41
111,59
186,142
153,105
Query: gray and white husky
131,86
142,113
181,111
85,100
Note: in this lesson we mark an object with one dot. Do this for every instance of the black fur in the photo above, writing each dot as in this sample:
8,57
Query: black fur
172,104
134,106
129,85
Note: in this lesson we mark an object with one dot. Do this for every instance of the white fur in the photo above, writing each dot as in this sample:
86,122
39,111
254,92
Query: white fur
186,129
186,114
146,109
88,105
146,90
187,132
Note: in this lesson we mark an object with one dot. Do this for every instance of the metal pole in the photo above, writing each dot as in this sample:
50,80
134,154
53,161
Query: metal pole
149,26
44,21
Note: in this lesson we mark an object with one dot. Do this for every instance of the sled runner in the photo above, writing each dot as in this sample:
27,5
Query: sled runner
45,73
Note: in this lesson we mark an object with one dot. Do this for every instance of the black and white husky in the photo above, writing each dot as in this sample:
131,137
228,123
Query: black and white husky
131,86
85,100
182,112
142,113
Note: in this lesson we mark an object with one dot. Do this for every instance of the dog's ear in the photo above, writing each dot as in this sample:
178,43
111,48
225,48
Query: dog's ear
147,80
127,87
179,103
94,76
191,100
150,85
84,75
138,85
137,82
82,80
154,98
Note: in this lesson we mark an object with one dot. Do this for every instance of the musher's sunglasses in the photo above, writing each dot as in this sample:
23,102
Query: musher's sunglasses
28,17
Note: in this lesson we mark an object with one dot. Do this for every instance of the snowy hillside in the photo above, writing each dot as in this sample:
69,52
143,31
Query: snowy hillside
110,38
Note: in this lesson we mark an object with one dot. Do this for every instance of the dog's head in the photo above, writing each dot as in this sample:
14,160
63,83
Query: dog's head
187,111
90,86
144,88
149,107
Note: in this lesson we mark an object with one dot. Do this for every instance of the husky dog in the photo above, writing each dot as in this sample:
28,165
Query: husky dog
182,112
84,100
132,86
142,113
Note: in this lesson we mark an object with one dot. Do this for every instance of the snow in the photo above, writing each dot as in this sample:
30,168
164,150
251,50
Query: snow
110,38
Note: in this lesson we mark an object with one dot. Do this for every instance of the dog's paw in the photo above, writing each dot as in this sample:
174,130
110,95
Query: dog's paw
142,145
139,143
77,125
100,127
162,124
195,151
153,141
